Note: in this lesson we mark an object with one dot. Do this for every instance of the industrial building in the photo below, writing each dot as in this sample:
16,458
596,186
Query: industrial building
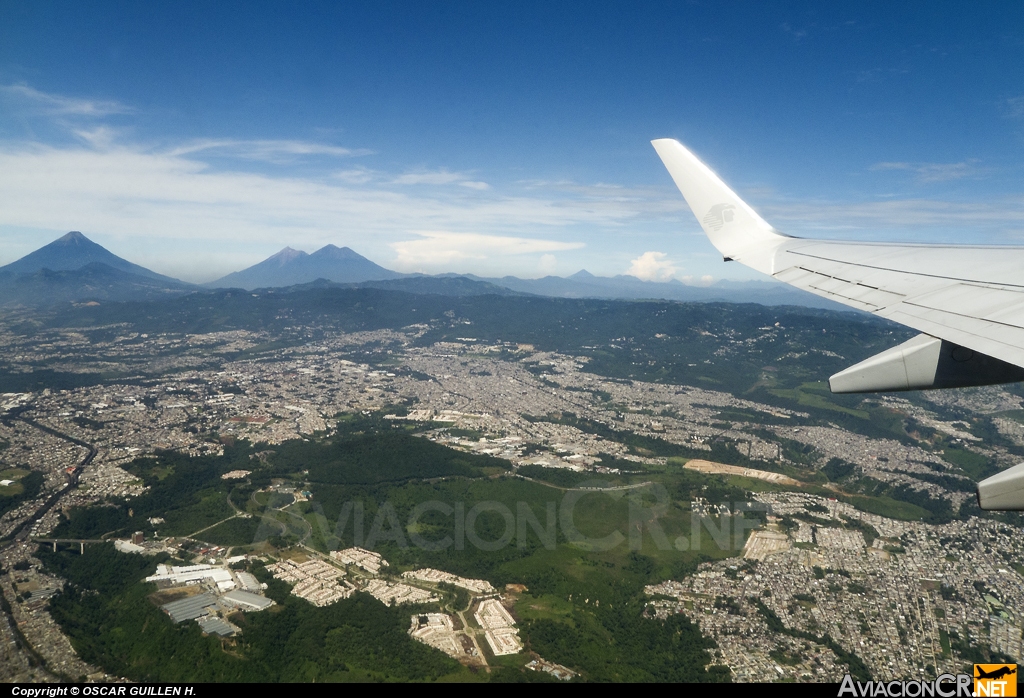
190,608
194,574
245,601
212,625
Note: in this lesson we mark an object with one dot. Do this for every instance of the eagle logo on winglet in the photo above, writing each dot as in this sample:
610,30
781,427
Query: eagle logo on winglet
719,215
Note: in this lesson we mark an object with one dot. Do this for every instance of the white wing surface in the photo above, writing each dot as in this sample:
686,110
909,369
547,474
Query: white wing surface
972,296
967,301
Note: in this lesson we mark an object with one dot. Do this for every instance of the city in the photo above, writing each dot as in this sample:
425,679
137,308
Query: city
909,599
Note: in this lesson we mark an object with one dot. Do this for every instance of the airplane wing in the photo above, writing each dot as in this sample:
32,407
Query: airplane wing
967,301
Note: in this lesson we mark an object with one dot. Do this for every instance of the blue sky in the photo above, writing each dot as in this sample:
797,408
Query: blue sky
199,138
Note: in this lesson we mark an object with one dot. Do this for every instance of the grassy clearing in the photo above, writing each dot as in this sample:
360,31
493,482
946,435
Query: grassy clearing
162,473
815,395
974,465
211,507
15,488
13,474
1015,415
233,532
886,506
543,606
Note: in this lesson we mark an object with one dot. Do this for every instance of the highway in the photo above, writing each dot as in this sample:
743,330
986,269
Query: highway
21,532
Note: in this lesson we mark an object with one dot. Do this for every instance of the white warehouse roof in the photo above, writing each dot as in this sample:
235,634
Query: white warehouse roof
246,600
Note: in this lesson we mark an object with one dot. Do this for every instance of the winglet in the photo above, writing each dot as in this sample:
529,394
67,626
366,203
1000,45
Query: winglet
1003,491
731,225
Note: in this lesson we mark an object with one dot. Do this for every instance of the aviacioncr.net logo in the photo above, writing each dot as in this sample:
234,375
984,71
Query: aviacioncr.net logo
995,680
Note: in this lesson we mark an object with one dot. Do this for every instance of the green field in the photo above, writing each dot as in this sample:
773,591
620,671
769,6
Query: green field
234,532
817,395
16,487
27,485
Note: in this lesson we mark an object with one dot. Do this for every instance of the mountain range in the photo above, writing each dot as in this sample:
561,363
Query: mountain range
290,267
583,284
75,269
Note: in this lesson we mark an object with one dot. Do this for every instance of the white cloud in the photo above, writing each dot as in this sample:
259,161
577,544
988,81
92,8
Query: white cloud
547,264
652,266
644,202
266,150
928,172
795,33
897,214
442,248
131,190
1014,108
358,175
438,177
208,190
101,137
59,105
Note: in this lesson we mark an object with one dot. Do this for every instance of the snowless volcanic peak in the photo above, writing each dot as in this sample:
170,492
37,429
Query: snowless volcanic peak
289,267
74,251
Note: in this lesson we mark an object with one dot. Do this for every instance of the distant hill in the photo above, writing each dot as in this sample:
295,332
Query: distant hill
343,266
290,267
583,284
419,285
74,251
